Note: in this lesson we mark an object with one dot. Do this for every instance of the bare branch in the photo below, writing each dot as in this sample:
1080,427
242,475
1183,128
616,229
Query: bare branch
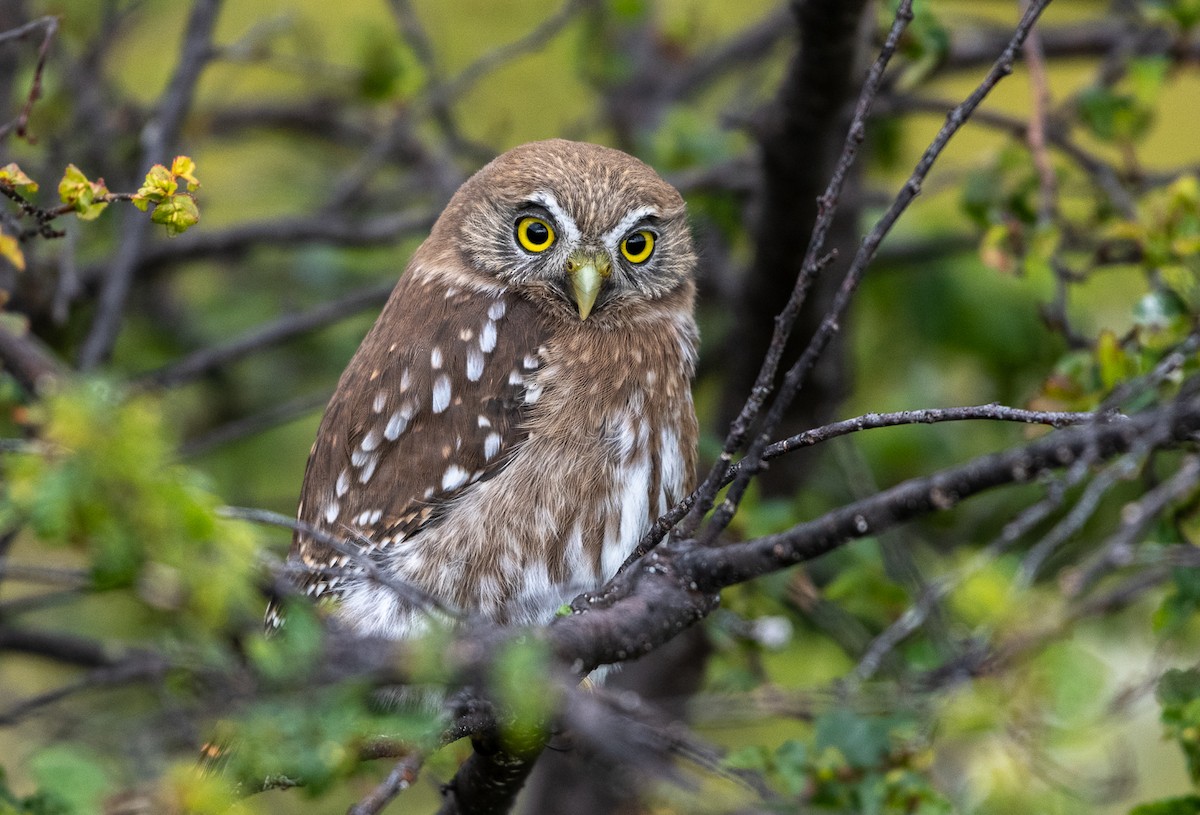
1136,517
158,138
796,376
254,423
813,261
869,421
50,24
409,593
991,412
674,585
29,361
402,776
206,360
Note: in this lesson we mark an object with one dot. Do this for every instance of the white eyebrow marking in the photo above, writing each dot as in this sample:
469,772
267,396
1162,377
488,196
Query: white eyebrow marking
564,222
612,236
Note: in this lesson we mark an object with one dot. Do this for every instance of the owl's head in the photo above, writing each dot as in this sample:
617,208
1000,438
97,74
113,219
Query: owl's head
580,228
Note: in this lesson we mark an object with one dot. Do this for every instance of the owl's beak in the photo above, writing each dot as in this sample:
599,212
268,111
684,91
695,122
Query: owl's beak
587,274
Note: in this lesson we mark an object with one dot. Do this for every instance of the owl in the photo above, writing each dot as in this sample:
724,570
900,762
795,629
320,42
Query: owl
521,411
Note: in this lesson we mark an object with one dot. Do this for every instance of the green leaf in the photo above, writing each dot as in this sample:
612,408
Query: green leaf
178,214
1114,364
863,741
14,177
74,774
82,194
185,168
793,766
1178,687
158,187
521,681
1183,805
1113,116
1185,14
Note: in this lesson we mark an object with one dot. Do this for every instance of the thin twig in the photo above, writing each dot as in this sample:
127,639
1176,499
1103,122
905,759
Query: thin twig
402,776
831,324
1136,517
206,360
47,575
1103,174
253,424
410,593
814,260
1036,136
35,87
716,567
1122,469
158,138
989,412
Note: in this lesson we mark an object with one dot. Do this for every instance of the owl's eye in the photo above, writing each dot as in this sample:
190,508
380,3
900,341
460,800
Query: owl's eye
534,234
638,247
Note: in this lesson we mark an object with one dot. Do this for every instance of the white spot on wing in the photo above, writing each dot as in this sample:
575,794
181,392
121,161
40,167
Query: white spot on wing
491,446
454,477
435,357
530,362
343,483
380,402
487,337
441,393
331,511
474,364
368,469
496,310
515,377
396,425
371,440
405,379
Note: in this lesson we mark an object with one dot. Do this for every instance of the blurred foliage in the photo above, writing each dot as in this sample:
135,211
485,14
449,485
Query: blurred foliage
101,479
1052,301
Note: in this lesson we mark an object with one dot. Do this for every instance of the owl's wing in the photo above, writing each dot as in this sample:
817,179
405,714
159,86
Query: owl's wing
432,403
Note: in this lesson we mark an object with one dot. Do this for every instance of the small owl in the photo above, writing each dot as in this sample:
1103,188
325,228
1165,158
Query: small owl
521,411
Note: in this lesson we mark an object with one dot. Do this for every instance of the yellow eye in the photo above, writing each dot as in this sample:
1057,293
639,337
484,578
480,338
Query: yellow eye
534,234
638,247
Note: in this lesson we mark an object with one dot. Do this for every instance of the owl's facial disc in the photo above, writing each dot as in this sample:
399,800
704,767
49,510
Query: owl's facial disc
587,273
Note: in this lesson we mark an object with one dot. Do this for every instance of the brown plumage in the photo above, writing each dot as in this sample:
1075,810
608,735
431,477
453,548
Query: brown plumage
521,410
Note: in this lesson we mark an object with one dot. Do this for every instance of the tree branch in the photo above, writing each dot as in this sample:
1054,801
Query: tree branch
813,261
206,360
158,137
831,324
